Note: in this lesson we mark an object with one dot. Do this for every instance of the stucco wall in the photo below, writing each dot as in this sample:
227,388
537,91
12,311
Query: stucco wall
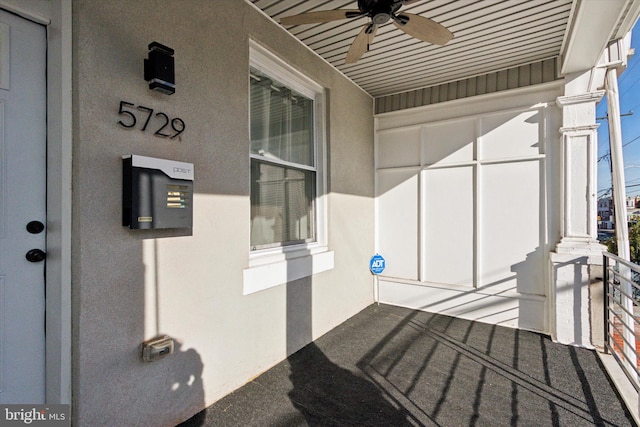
130,285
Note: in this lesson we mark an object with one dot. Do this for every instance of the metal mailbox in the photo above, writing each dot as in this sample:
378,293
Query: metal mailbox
156,193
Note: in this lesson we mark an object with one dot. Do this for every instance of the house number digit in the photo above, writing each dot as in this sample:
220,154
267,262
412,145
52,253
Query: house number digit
131,118
182,126
148,110
166,122
159,123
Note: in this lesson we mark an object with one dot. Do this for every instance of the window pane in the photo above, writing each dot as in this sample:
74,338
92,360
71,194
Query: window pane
281,205
281,121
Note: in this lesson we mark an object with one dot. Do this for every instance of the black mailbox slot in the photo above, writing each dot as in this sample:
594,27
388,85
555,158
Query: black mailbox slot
156,193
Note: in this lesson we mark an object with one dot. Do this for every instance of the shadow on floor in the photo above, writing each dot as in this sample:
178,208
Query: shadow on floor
393,366
329,395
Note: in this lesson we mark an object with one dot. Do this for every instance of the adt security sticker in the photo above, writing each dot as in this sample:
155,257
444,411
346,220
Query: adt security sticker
377,264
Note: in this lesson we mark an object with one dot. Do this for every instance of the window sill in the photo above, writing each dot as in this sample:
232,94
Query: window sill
267,270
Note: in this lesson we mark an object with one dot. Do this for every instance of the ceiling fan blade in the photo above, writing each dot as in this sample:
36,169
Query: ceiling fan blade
422,28
406,2
361,43
320,16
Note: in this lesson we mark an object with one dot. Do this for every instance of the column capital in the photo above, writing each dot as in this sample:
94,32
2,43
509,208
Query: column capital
579,129
568,100
579,110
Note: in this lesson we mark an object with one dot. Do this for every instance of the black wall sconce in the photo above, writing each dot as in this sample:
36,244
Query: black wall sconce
159,69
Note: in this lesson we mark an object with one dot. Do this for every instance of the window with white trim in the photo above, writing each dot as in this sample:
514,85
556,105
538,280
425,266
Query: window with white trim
283,164
288,189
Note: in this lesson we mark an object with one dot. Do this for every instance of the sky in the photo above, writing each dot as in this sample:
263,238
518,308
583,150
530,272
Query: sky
629,92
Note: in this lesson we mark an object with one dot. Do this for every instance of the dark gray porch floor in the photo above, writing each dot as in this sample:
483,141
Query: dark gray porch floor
391,366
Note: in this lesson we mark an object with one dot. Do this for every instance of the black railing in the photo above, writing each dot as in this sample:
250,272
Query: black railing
621,313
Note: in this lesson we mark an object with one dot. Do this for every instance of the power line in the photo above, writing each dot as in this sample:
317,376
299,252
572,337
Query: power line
606,117
605,156
608,190
630,113
627,72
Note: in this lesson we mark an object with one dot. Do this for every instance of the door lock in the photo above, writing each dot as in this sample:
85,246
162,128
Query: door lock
35,227
35,255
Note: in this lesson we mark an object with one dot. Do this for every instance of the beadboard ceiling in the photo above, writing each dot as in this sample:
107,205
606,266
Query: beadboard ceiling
489,35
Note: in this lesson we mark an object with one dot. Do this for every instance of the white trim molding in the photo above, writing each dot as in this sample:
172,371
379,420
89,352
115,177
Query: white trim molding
266,276
276,266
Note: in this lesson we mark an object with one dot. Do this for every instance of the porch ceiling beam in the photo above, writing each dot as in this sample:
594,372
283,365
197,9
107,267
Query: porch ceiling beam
593,25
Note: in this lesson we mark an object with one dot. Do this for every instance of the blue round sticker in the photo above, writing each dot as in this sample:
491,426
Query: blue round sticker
377,264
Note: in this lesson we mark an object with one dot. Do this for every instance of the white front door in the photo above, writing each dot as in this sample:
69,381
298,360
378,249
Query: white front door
22,209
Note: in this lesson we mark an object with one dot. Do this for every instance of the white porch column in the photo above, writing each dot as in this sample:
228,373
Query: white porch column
622,229
578,248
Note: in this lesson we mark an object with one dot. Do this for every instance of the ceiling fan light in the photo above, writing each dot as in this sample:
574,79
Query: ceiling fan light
381,18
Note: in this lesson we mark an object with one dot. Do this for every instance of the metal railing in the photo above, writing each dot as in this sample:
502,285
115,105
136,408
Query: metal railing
622,313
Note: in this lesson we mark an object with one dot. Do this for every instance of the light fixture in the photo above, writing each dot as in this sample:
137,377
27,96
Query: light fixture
159,69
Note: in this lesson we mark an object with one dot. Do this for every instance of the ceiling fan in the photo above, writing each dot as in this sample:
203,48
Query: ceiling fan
380,12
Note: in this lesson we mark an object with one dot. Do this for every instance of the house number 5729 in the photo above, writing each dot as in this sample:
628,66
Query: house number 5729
142,116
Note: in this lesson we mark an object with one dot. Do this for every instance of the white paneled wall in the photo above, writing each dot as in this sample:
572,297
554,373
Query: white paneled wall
398,218
448,207
509,225
461,215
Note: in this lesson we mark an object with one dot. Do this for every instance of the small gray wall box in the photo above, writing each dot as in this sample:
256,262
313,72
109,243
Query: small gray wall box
157,348
156,193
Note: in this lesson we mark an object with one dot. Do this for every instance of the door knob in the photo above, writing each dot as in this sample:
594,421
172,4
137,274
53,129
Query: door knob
35,255
35,227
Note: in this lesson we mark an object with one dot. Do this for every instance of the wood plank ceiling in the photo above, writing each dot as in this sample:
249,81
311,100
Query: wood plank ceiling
489,36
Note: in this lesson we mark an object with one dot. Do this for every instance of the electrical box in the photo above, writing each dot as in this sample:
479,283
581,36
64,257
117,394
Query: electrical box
157,348
156,193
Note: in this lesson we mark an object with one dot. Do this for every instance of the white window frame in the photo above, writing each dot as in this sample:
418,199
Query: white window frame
279,265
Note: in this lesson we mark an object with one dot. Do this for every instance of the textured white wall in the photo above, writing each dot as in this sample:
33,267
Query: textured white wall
130,285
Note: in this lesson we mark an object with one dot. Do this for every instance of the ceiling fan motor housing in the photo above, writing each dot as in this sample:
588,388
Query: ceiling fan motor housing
380,11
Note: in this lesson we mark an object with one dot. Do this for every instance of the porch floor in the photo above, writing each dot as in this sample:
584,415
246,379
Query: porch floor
392,366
